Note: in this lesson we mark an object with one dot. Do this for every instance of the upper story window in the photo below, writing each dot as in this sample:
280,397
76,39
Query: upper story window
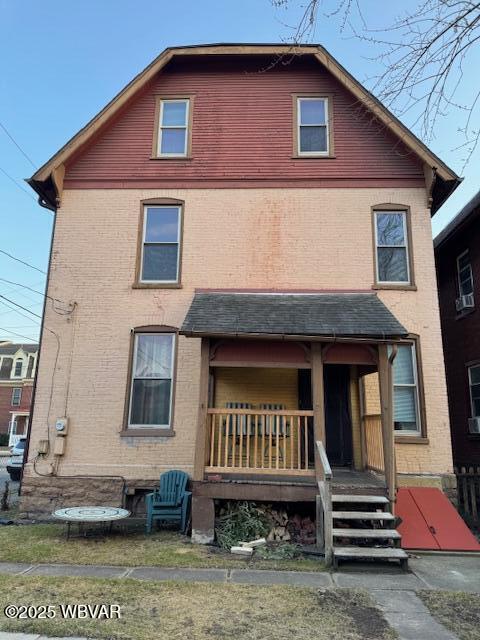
392,250
312,126
17,372
152,380
161,240
406,413
173,128
465,301
16,396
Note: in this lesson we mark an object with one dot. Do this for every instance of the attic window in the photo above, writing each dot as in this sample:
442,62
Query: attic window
312,126
173,128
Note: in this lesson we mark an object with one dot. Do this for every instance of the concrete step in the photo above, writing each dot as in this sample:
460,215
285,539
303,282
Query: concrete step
352,498
362,515
368,553
391,534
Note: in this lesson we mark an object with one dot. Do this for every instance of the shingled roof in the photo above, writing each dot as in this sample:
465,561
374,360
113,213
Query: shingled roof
10,348
313,315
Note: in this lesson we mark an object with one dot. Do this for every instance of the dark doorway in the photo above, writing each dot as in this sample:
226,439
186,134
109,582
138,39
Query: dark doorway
338,425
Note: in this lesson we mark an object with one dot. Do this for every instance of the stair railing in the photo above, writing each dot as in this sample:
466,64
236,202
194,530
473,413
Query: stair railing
324,505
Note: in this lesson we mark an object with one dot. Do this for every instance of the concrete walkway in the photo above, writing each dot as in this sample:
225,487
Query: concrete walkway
393,590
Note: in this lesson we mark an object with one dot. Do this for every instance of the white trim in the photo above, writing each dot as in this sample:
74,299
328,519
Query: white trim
162,126
414,385
133,378
179,226
472,410
405,246
464,253
13,396
325,124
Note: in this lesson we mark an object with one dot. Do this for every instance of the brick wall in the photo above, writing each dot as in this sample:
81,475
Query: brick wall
6,401
255,238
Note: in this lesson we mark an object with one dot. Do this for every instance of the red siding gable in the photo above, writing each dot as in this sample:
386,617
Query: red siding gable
243,130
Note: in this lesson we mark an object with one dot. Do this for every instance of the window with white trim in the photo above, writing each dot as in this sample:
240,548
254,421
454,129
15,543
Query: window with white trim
152,381
17,373
161,244
406,404
464,274
173,127
391,240
312,126
474,384
16,396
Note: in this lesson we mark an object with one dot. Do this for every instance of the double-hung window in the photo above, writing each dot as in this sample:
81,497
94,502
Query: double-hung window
152,381
160,259
17,372
16,396
391,239
465,275
173,128
474,383
312,126
406,413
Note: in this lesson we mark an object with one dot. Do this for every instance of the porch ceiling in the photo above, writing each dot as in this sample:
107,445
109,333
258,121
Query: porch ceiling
340,315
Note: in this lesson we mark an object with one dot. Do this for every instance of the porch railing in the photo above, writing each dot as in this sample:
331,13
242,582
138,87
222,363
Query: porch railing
260,441
324,505
372,425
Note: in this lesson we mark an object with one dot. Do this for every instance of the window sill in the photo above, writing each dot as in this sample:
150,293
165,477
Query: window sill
395,287
411,440
147,433
176,158
157,285
313,157
463,314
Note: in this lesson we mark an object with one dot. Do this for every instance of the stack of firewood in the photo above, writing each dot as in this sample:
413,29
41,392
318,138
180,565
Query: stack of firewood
279,519
302,529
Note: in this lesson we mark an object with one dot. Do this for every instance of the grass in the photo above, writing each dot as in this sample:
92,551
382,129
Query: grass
46,543
177,611
457,611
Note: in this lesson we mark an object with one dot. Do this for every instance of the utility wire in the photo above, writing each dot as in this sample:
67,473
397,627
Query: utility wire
20,313
18,184
18,146
23,262
19,335
20,306
34,290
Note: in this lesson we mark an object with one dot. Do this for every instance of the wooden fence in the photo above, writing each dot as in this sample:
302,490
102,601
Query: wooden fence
468,492
372,425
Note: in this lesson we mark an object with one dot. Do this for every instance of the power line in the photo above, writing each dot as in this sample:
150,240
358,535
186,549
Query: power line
18,146
16,183
20,306
19,335
23,262
34,290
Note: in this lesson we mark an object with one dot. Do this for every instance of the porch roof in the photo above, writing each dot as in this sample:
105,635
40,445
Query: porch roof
314,315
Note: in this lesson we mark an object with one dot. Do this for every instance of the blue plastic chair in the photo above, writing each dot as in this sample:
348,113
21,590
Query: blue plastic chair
169,503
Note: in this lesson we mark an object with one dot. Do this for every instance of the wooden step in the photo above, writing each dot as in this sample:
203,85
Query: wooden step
358,498
384,553
362,515
391,534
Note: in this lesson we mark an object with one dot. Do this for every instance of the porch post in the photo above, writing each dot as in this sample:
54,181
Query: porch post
318,401
200,440
385,375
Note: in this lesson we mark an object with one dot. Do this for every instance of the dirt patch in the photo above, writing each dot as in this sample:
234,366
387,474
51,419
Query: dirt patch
457,611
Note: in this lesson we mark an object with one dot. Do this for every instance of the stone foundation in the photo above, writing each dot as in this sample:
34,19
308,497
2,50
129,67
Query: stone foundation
446,482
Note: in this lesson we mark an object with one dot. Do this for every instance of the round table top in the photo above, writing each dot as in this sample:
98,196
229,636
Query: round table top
91,514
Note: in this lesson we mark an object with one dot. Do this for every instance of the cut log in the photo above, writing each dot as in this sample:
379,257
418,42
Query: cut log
241,551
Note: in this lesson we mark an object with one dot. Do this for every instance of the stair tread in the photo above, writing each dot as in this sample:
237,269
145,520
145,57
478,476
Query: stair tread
362,515
367,533
368,552
340,497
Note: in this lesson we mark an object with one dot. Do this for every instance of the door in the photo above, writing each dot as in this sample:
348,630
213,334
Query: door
338,424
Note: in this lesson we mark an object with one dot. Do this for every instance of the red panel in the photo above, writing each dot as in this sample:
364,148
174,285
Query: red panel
242,130
348,354
450,531
414,530
260,351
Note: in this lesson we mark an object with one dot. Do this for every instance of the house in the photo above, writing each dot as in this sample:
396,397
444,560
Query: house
18,363
245,233
457,254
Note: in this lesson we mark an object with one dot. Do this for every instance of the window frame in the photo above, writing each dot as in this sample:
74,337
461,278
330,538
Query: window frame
129,430
393,284
328,99
157,129
459,284
16,404
139,283
469,368
14,370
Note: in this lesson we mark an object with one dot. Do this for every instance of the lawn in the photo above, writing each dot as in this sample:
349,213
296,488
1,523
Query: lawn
46,543
197,611
457,611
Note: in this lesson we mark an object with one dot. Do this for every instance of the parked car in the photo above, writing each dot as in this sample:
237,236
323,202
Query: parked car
15,462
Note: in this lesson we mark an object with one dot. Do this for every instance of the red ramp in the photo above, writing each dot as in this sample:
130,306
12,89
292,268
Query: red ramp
429,521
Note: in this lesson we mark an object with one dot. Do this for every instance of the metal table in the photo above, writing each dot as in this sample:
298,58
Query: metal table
90,515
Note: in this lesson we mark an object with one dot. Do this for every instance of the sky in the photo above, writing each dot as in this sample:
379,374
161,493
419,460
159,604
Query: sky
61,61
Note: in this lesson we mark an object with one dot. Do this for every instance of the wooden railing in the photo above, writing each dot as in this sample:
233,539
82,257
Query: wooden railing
468,492
324,505
259,441
372,425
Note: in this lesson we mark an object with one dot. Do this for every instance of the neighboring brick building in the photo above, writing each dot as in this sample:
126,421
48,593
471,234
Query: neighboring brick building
457,253
18,364
205,181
